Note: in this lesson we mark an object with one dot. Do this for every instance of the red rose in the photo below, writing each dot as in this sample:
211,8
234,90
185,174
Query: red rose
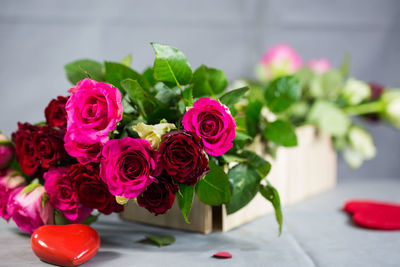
92,191
56,115
49,146
182,157
24,149
160,195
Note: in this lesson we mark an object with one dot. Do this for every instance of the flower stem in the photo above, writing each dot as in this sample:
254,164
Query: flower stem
368,108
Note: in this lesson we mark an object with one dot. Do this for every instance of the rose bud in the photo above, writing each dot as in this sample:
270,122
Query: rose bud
320,65
128,166
63,195
160,195
182,157
49,146
27,211
212,121
376,92
278,61
360,147
6,151
355,91
8,182
82,146
153,133
391,101
94,108
55,113
92,191
25,149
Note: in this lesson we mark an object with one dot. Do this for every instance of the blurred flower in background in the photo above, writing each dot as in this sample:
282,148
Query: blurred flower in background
279,60
320,65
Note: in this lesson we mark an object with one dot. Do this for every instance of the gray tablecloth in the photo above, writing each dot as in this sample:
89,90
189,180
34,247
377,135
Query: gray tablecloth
316,233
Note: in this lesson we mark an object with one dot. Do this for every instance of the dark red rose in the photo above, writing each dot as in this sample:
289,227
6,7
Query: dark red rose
376,92
49,146
25,149
56,115
160,195
182,157
92,191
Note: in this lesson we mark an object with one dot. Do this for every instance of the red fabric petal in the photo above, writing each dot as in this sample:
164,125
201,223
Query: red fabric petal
223,255
374,214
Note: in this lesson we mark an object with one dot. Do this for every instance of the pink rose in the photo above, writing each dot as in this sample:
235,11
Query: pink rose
63,196
6,151
280,60
8,183
128,166
320,65
82,147
26,209
211,121
94,108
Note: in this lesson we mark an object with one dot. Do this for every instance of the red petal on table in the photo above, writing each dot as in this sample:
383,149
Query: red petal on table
374,214
223,255
65,245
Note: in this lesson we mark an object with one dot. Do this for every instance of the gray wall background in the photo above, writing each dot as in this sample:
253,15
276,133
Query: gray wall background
38,37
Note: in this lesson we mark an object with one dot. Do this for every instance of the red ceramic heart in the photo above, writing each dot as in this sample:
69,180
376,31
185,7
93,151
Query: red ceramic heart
374,214
65,245
223,255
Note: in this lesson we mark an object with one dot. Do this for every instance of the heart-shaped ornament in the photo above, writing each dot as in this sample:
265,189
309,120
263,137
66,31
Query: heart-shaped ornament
65,245
374,214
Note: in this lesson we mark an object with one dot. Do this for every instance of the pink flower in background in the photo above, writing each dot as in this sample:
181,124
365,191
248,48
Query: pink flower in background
128,166
212,121
82,147
8,183
6,151
94,108
279,60
320,65
26,209
63,196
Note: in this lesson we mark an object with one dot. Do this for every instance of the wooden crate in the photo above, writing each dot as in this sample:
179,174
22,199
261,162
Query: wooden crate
297,173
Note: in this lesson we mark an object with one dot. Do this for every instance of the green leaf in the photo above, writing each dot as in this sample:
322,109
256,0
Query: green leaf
185,199
272,195
232,97
90,219
241,139
29,188
188,96
161,240
45,198
245,182
326,85
208,81
148,75
116,72
233,158
329,118
149,106
281,93
127,61
171,65
214,188
257,162
166,95
252,112
281,132
84,68
345,66
126,104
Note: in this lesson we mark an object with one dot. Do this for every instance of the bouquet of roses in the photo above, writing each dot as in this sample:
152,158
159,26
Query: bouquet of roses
164,134
320,96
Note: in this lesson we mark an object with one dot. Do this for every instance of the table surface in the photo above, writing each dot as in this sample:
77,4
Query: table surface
316,233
